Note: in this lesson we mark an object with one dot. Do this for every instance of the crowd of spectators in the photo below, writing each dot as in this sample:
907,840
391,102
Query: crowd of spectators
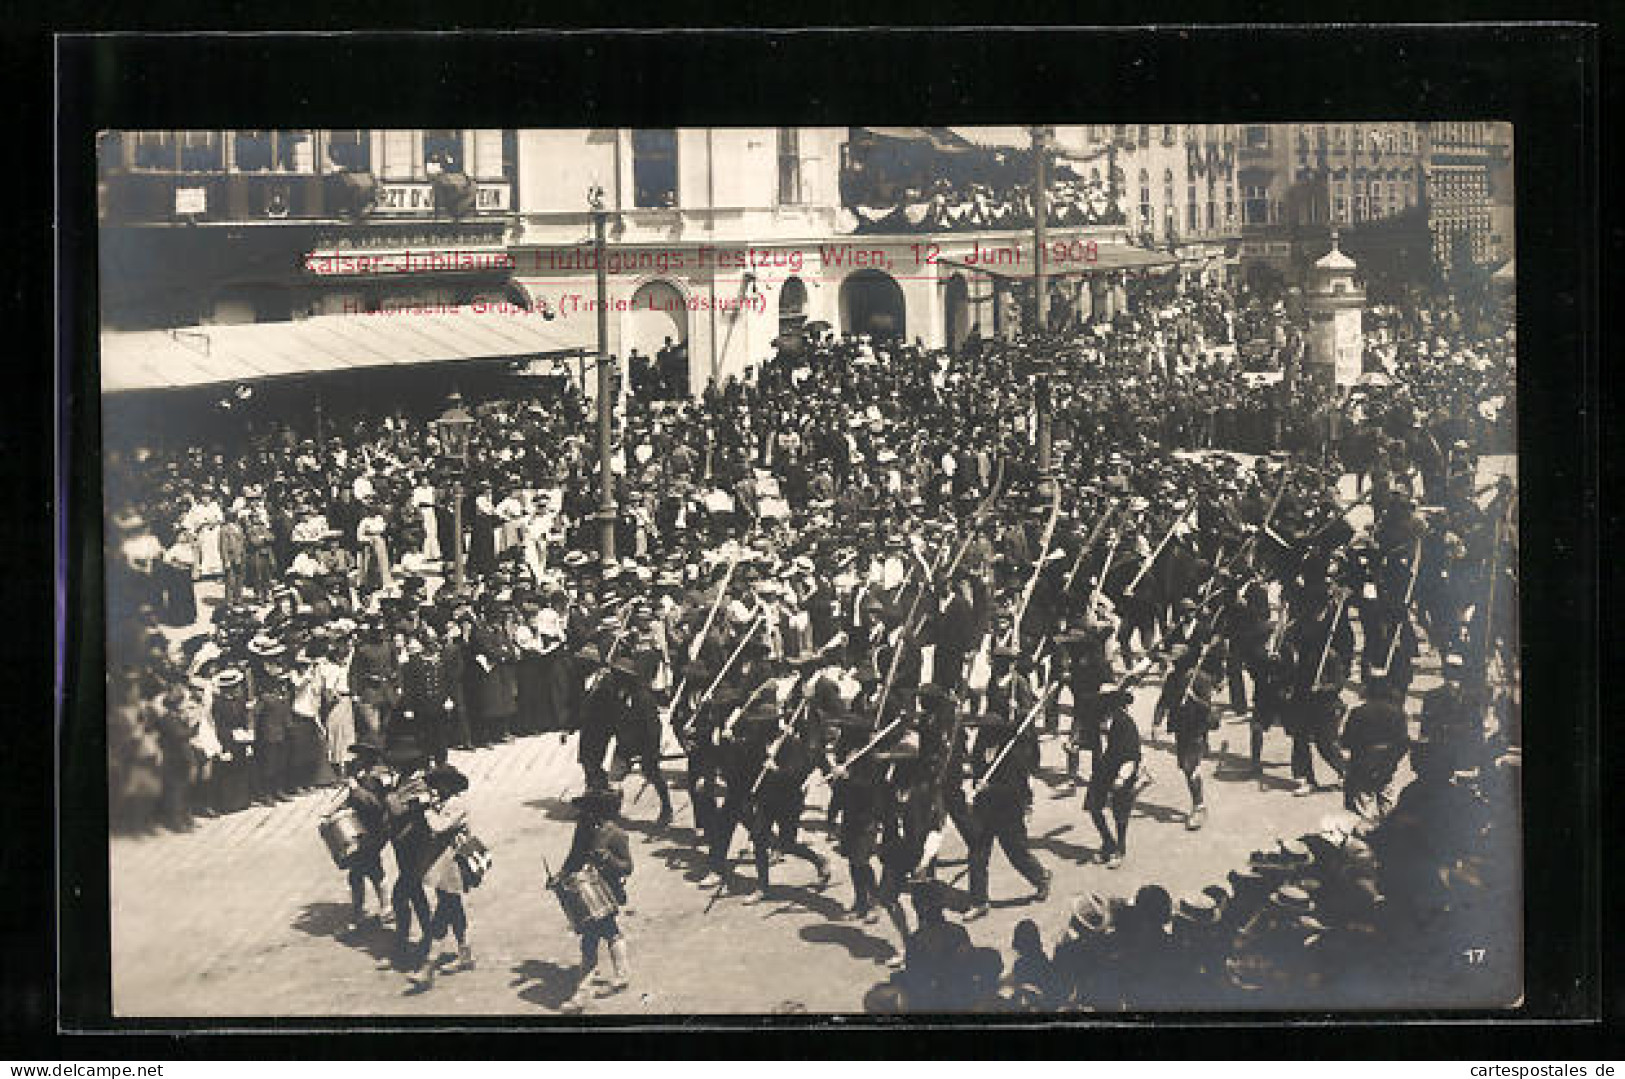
325,617
1340,917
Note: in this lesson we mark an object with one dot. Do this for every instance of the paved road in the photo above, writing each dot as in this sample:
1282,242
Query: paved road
245,915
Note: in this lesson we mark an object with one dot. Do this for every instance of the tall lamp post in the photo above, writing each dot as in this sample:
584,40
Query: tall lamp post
454,427
1041,140
606,482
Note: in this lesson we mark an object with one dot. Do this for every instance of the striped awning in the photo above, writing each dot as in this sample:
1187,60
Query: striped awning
250,352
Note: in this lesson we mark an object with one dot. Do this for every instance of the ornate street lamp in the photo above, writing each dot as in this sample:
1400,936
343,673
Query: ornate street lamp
606,419
453,428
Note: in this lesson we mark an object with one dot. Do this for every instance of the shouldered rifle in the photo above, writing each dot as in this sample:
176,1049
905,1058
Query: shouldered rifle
727,666
1156,554
860,754
1089,545
1100,582
1331,634
1032,714
786,728
1405,607
1038,566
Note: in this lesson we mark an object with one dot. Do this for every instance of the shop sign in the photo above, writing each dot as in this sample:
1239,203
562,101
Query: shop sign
418,198
191,200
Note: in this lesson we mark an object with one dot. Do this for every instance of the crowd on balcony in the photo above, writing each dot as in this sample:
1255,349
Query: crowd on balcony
944,206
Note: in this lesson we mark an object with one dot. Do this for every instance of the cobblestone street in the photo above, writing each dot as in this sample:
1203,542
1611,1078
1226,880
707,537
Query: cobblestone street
246,915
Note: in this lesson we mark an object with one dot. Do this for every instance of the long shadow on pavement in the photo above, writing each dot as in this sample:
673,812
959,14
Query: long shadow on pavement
806,899
858,944
332,920
544,983
1072,851
1235,768
1158,813
554,808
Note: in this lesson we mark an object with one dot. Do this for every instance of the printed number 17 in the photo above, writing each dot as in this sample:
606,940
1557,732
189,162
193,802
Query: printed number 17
1474,956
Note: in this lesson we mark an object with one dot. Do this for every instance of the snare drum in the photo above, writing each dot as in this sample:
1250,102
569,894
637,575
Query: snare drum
585,897
345,835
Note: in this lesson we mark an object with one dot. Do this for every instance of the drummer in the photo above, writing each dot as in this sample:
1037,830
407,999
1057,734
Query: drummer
368,780
444,817
601,843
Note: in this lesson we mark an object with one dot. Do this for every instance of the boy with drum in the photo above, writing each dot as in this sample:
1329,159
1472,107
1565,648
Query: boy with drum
599,855
368,781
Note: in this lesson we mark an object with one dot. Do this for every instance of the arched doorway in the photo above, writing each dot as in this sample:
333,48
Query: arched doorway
872,303
656,328
956,312
792,305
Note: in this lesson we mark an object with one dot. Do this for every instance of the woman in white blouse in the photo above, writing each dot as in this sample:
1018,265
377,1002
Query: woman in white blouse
375,561
423,498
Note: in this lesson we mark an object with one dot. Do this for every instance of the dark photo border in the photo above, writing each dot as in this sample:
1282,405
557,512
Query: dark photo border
1541,79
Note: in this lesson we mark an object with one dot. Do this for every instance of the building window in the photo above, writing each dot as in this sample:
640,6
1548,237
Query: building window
792,305
1255,207
789,166
492,154
1168,136
156,150
1229,202
654,168
1192,222
295,151
442,151
1257,137
1145,199
251,151
398,155
202,151
349,151
1212,215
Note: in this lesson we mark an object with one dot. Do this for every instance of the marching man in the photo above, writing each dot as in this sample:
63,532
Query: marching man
601,843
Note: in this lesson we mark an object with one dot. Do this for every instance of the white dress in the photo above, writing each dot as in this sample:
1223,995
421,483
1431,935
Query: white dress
423,499
204,521
340,710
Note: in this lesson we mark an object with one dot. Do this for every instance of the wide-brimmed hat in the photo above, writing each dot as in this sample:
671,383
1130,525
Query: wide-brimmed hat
265,646
445,777
1203,909
1090,914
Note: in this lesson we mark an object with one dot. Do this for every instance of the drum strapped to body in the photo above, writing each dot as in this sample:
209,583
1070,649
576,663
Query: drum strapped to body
346,836
585,897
